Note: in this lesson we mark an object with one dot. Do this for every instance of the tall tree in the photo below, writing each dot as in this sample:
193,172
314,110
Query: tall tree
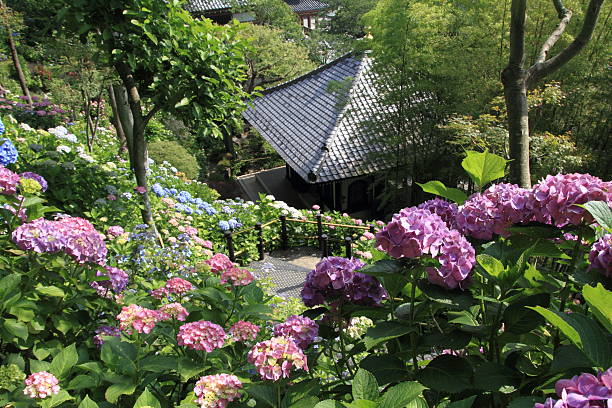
9,21
166,61
517,79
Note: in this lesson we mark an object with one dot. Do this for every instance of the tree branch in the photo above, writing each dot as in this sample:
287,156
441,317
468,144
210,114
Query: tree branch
517,33
542,69
151,113
565,15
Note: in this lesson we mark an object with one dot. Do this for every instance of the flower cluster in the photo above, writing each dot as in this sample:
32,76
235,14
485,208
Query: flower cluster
555,198
8,181
600,257
237,276
174,286
336,278
41,385
8,152
494,211
216,391
173,311
219,263
274,358
201,335
139,318
75,236
105,331
184,198
302,330
62,133
582,391
415,232
444,209
358,326
117,281
115,230
38,178
243,331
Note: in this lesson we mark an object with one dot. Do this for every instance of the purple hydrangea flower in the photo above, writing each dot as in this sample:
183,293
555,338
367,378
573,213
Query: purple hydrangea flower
457,257
494,211
336,278
555,198
600,257
302,330
582,391
117,282
105,331
8,181
8,152
37,177
38,236
445,209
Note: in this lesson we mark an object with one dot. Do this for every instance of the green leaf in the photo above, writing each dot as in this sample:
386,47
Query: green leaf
597,298
299,392
113,392
401,394
519,320
189,368
88,403
525,402
492,377
447,373
386,368
568,358
64,361
583,332
365,385
464,403
385,331
484,167
16,328
492,266
601,212
263,393
81,382
329,404
438,188
53,291
157,363
119,355
457,299
147,399
382,268
8,285
308,402
182,102
56,399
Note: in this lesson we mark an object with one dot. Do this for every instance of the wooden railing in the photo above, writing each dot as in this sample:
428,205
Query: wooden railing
323,239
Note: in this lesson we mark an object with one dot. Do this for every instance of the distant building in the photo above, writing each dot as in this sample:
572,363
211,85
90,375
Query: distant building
221,12
318,124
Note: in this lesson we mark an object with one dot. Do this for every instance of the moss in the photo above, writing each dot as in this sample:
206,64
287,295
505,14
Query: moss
177,155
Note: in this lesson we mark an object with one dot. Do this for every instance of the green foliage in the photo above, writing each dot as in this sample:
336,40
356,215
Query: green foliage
484,167
175,154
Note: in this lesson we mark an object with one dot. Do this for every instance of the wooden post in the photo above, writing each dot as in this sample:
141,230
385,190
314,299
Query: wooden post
284,235
230,245
319,230
325,249
260,241
348,247
372,228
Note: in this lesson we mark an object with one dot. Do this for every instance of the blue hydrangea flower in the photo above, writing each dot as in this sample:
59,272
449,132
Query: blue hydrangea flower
183,197
224,225
8,153
172,191
159,190
198,211
2,128
227,210
234,223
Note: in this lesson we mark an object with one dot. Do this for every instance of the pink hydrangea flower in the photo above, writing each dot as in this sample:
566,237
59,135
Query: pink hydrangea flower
140,189
273,359
244,331
555,198
139,318
115,230
302,330
173,311
582,391
9,181
205,244
168,201
111,197
457,258
316,207
201,335
160,293
445,209
600,257
219,263
178,286
237,277
216,391
367,236
41,385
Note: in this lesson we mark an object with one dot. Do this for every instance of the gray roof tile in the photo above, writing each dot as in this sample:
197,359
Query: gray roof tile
307,123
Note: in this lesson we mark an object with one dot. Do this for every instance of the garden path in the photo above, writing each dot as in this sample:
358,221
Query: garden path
288,269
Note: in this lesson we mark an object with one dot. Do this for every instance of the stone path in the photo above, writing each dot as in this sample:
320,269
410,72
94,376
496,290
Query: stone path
288,269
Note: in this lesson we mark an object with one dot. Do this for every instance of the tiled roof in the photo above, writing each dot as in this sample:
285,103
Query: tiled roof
305,5
202,6
318,122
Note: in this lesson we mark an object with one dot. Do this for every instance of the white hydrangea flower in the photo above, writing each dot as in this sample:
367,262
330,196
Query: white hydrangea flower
58,131
86,157
270,197
25,127
63,149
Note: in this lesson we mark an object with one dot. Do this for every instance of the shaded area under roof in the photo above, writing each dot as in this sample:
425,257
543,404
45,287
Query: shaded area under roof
203,6
316,122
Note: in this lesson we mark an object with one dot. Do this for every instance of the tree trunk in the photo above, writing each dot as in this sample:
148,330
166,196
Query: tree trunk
515,93
115,119
138,149
17,64
125,118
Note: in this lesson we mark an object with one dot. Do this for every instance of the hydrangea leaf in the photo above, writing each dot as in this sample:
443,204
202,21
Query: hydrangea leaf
464,403
484,167
525,402
146,399
567,358
438,188
383,332
600,301
385,368
601,212
493,377
492,266
300,392
401,394
113,392
365,385
518,319
64,361
56,399
447,373
88,403
329,404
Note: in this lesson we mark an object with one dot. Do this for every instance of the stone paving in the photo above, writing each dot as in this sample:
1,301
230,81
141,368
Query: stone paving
288,269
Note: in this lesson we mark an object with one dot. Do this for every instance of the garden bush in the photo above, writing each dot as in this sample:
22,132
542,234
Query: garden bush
175,154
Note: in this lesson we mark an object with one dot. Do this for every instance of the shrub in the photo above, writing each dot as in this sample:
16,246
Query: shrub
176,155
